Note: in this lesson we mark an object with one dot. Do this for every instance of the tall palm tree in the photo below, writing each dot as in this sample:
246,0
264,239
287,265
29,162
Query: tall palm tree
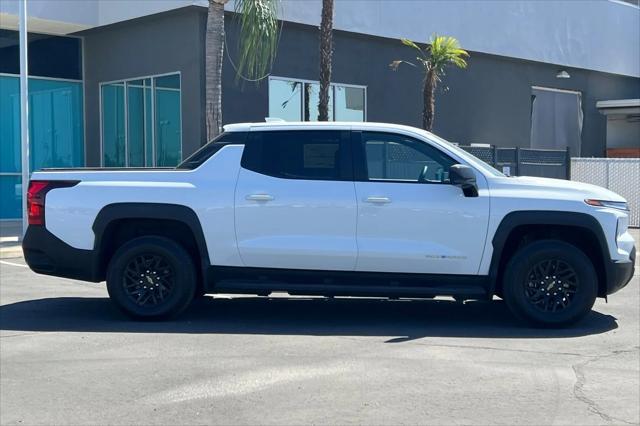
257,45
326,52
434,58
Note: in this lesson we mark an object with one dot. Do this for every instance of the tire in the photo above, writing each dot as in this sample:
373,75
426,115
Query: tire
167,281
534,295
200,294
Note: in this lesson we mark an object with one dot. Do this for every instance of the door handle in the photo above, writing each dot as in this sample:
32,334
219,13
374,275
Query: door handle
378,200
259,197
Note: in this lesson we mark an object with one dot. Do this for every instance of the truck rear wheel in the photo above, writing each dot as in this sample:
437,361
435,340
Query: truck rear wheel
550,283
151,278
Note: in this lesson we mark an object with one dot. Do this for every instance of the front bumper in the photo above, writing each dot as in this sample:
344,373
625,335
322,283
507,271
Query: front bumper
620,273
47,254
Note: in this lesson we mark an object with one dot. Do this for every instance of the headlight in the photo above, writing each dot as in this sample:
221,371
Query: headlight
620,205
623,225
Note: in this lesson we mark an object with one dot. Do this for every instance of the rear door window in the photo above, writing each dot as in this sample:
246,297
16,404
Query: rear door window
304,154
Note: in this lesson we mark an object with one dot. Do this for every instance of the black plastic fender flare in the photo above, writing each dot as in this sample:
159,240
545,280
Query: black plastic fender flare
176,212
540,217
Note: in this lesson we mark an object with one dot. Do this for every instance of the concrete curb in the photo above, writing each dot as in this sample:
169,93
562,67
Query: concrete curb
11,251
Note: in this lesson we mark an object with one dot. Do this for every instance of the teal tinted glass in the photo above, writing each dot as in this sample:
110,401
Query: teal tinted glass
138,121
167,127
143,128
55,124
9,125
113,130
56,133
285,100
10,197
349,103
168,81
148,125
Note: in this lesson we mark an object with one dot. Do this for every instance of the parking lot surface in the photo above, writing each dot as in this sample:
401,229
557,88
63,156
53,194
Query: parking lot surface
68,357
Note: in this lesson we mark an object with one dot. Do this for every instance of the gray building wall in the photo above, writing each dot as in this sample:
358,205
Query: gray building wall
157,44
489,102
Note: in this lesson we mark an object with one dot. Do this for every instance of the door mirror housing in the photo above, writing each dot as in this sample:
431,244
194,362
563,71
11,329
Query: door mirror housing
464,177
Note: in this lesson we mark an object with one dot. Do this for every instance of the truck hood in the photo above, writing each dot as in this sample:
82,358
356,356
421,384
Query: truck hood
557,188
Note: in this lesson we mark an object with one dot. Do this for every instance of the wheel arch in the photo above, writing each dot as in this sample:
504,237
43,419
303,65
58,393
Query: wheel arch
172,220
518,228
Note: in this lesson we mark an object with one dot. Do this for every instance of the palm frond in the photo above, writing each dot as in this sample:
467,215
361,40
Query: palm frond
409,43
395,64
441,51
259,35
446,50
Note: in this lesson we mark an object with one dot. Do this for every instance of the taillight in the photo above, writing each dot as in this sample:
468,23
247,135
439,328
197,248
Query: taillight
36,197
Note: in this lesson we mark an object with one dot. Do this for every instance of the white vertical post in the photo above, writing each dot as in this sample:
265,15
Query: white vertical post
24,111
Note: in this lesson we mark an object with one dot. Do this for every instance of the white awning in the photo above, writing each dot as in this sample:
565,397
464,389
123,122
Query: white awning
619,106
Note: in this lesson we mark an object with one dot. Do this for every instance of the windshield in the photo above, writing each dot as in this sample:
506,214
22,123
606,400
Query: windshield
472,159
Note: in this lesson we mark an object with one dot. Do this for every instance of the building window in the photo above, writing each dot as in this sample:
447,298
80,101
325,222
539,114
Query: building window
56,128
297,100
49,56
141,122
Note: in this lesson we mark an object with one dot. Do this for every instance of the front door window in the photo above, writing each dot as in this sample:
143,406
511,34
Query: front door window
397,158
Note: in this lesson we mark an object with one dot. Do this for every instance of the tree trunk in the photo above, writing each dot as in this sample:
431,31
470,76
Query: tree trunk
214,50
307,102
326,51
429,96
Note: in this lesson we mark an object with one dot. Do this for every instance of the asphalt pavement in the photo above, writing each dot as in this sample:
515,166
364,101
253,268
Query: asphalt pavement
68,357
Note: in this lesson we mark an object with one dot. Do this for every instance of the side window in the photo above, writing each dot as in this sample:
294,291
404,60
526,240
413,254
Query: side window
392,157
207,151
307,154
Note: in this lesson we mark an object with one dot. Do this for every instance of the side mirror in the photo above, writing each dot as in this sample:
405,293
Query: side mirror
464,177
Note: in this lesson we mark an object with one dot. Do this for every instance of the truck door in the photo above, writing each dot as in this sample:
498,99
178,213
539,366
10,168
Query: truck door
295,204
410,218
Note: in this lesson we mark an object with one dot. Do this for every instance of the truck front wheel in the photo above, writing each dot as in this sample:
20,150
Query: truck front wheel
151,278
550,283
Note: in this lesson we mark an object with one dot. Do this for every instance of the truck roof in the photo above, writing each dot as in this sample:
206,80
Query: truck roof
336,125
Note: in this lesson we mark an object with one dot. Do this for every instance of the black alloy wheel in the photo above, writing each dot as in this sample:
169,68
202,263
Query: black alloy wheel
151,277
550,283
148,280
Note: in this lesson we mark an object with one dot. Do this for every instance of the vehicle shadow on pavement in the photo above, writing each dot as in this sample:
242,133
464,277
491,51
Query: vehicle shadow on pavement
408,319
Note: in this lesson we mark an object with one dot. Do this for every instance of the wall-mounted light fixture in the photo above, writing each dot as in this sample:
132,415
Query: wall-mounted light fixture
563,74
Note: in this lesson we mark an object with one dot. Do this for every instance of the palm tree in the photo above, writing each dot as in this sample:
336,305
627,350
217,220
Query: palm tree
257,45
442,52
326,52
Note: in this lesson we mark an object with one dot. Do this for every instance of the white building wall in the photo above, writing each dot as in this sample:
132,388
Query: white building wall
66,16
51,16
602,35
111,11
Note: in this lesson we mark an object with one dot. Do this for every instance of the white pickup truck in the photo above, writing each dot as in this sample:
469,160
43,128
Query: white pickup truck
331,209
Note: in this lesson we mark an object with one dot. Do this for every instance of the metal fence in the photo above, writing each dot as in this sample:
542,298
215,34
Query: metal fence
620,175
525,161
